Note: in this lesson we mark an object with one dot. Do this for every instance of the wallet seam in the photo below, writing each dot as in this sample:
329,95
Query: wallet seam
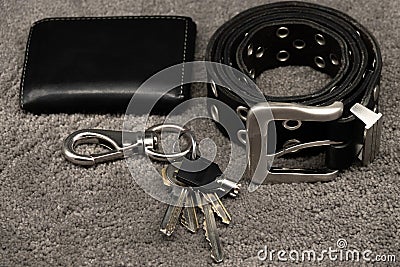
100,18
184,56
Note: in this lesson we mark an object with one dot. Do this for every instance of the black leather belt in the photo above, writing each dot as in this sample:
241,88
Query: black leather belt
340,118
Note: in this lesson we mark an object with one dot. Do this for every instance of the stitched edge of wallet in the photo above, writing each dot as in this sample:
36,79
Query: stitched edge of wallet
99,18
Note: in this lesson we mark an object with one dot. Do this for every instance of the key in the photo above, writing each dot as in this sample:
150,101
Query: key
210,228
209,176
172,214
219,208
189,215
204,180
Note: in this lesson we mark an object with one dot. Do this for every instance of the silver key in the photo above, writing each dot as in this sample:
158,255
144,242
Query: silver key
219,208
189,215
172,214
228,185
210,227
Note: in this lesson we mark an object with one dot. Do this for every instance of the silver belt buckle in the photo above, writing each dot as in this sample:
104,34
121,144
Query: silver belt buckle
261,157
258,154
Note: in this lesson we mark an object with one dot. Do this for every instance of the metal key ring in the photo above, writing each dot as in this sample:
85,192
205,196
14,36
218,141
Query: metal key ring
171,128
123,144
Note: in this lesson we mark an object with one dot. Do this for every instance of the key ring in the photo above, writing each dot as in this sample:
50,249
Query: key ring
183,131
121,145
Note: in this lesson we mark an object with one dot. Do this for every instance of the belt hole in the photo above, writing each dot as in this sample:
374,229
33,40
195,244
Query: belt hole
282,32
290,143
214,113
252,73
243,79
259,52
214,88
334,59
320,39
283,55
241,135
320,62
250,49
299,44
291,124
242,112
376,92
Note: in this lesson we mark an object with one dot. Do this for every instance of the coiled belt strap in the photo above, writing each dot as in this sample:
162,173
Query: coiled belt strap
329,41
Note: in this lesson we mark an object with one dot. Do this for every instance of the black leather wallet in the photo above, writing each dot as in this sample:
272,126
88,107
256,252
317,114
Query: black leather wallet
95,64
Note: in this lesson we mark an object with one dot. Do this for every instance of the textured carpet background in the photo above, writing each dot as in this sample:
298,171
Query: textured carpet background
54,213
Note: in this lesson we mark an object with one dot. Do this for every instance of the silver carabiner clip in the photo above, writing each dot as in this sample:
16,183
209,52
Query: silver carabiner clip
138,143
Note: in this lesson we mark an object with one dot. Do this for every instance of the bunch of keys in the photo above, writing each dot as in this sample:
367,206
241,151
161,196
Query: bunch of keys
201,183
194,181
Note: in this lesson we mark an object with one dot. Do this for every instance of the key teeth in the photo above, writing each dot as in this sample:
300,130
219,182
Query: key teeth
219,257
183,220
186,224
219,208
209,243
172,215
205,230
220,216
217,260
189,214
206,233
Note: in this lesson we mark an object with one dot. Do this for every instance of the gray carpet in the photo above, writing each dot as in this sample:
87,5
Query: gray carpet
54,213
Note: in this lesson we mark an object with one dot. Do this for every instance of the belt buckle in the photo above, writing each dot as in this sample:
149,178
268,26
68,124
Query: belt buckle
260,156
